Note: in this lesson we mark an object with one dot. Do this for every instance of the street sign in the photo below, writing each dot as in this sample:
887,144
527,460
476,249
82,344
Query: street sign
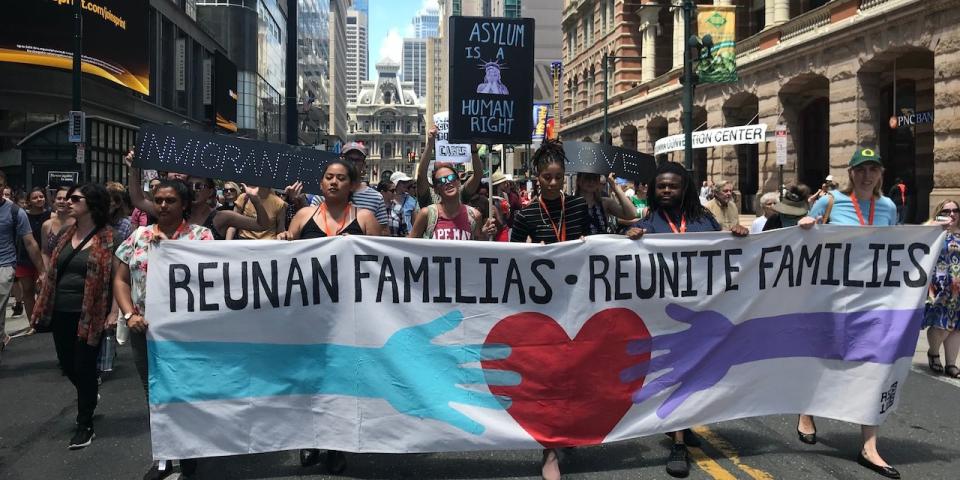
781,139
77,129
81,153
57,178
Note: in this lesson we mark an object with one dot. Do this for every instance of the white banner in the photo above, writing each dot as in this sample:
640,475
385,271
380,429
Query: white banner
747,134
392,345
448,152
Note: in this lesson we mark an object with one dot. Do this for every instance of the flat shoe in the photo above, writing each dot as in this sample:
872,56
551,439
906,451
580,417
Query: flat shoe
888,472
952,371
933,361
808,438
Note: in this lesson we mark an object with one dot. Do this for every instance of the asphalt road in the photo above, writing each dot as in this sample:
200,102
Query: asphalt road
38,405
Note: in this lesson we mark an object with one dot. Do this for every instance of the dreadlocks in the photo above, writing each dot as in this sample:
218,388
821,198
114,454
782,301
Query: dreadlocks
551,151
689,200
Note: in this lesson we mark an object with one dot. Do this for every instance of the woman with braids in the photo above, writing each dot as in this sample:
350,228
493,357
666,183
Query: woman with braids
551,218
674,207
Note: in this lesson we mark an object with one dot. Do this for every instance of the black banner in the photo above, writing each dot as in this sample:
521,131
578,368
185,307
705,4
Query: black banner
589,157
491,80
225,157
40,32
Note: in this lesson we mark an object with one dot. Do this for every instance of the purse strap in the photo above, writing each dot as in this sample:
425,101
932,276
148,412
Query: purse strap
75,252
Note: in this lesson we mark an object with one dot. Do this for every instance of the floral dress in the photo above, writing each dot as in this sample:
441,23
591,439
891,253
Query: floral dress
943,305
135,250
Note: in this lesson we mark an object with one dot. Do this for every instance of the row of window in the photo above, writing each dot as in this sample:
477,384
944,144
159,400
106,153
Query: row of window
588,25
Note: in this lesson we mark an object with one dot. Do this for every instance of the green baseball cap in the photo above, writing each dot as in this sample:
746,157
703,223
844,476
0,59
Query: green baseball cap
864,155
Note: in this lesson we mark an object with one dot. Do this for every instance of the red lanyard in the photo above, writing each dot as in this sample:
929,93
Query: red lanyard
856,207
560,233
683,222
343,220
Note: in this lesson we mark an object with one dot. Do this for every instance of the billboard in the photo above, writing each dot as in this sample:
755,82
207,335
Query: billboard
225,92
40,32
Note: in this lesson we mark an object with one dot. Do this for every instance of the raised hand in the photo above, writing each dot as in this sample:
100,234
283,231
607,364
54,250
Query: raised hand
687,352
432,376
128,158
251,191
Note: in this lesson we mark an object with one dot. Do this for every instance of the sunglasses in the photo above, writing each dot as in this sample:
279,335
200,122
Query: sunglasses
950,211
446,179
229,190
165,201
198,186
76,198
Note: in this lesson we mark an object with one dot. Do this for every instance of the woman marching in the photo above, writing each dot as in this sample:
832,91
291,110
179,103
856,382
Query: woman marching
860,204
674,207
76,298
551,218
450,219
26,271
942,314
334,216
599,208
172,200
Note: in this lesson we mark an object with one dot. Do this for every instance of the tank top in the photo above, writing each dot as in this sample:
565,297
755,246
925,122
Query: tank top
456,228
209,224
312,230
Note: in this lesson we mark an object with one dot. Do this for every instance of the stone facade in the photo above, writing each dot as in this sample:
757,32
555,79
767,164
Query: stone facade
827,70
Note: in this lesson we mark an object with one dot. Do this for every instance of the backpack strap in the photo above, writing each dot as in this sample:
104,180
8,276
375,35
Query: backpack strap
474,215
433,214
826,213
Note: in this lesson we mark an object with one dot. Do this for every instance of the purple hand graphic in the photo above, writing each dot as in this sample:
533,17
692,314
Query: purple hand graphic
699,357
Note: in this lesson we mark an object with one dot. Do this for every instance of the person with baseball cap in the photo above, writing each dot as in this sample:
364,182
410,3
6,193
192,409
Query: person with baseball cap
363,196
403,207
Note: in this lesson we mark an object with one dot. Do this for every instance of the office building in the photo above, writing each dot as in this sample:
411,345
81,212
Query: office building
358,51
415,64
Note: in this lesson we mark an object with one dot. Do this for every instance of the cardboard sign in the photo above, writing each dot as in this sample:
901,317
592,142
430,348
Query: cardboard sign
446,151
491,80
225,157
586,157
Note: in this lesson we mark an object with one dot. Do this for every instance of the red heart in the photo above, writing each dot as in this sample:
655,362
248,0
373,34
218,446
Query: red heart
570,393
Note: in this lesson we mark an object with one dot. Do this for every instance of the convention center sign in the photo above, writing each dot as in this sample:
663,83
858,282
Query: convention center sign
491,80
114,38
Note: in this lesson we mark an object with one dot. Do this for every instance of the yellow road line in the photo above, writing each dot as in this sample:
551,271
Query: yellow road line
709,465
731,453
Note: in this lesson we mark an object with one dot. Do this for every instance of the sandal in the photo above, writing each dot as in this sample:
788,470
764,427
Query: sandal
953,371
933,361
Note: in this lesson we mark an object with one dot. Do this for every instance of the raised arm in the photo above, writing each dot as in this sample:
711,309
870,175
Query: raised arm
621,206
137,198
226,218
423,185
473,183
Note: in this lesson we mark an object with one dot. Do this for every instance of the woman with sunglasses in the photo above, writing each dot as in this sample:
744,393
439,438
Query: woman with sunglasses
172,201
76,298
230,193
942,314
450,219
218,221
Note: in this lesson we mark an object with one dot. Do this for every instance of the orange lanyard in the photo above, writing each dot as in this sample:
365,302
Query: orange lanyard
856,207
683,222
343,220
559,233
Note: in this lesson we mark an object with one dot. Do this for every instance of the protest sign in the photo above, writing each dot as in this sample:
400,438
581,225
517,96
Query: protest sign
225,157
491,79
446,151
371,344
602,159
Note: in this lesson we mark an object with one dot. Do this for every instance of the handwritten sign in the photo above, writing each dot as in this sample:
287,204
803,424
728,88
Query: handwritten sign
491,79
586,157
229,158
446,151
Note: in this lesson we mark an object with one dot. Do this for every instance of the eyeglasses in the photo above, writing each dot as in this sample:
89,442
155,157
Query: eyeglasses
950,211
76,198
446,179
198,186
165,201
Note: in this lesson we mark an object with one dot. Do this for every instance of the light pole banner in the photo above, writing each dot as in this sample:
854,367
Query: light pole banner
715,137
392,345
445,151
718,64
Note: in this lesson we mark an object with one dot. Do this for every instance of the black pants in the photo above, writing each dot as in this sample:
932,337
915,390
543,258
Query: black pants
79,361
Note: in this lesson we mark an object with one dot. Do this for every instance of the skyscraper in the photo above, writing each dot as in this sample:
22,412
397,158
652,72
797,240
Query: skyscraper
358,53
415,64
426,23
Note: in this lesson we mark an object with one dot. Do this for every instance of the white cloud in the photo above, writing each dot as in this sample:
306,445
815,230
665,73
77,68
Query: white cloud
392,46
430,5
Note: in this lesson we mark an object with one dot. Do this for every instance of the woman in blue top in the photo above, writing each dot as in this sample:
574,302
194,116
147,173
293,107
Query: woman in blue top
861,203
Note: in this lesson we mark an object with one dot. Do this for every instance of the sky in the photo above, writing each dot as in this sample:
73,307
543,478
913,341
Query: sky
389,23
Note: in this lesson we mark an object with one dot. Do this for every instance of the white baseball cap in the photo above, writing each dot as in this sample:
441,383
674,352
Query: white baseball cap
398,177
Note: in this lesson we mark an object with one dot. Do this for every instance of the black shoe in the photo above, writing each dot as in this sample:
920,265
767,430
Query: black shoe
156,474
888,472
691,439
336,462
808,438
309,456
83,438
17,309
678,465
188,467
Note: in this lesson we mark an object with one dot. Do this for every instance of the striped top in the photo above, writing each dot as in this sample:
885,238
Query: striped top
532,221
370,199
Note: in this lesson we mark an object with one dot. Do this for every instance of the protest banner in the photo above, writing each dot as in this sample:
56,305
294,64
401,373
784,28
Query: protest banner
715,137
389,345
491,80
446,151
588,157
225,157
